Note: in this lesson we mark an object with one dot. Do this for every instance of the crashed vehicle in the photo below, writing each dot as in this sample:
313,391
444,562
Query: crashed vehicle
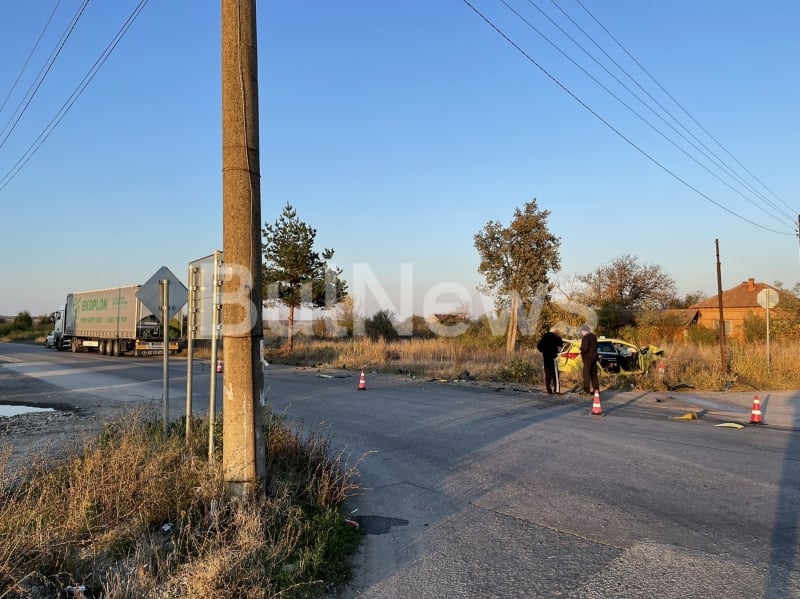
615,356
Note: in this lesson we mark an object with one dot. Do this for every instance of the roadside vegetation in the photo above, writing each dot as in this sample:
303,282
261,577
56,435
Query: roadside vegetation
135,513
24,327
482,355
478,355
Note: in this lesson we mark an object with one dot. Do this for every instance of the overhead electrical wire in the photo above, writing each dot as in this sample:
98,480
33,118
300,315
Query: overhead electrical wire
34,87
603,120
685,111
631,109
62,112
705,151
30,55
719,162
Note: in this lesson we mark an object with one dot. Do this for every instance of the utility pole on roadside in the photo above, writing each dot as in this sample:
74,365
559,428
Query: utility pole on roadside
721,315
243,449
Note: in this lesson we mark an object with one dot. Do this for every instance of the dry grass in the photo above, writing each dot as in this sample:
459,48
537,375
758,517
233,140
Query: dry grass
448,358
138,514
438,358
701,366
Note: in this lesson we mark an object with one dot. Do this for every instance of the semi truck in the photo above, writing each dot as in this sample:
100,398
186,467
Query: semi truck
109,321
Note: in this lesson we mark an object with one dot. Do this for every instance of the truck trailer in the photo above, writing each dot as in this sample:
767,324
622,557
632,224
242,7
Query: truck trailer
109,321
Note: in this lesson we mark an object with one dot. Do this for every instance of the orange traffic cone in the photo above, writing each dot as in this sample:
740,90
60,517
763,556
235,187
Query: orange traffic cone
219,365
596,409
362,382
755,414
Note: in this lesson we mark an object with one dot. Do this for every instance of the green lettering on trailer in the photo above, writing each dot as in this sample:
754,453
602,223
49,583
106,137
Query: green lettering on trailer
94,304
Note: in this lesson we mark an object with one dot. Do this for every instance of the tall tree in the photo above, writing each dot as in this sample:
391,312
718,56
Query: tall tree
624,284
294,273
688,300
516,261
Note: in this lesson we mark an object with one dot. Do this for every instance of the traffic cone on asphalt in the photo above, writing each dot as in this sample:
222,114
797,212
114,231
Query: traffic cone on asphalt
219,365
362,382
755,414
596,409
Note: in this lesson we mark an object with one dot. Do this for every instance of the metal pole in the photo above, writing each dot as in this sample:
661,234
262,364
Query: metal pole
165,326
212,394
767,302
721,316
191,326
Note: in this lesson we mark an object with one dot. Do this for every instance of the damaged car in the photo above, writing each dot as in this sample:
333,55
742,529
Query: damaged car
615,356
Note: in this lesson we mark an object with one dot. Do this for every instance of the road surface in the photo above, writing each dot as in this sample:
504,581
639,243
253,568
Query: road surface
499,491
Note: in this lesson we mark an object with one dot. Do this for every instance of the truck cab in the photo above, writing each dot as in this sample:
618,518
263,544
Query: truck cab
57,318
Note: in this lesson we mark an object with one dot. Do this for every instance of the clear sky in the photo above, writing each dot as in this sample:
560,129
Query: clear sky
398,129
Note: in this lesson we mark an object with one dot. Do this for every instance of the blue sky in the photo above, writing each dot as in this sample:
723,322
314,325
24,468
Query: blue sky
398,129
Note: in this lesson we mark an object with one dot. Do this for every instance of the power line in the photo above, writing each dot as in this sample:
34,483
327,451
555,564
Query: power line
62,112
671,97
716,160
30,55
631,109
610,126
34,87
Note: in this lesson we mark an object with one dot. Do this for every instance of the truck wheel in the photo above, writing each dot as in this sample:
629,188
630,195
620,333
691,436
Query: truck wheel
115,348
74,345
101,347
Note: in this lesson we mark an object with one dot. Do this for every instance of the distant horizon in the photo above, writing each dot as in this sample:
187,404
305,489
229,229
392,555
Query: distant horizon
301,313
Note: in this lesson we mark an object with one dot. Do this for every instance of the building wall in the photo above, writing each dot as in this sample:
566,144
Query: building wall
710,319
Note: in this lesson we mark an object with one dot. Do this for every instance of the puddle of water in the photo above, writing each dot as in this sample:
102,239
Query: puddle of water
11,410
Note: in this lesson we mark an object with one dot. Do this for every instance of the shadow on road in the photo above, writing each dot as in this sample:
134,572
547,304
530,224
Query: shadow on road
784,540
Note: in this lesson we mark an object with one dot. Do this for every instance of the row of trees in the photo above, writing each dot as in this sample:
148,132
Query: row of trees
518,262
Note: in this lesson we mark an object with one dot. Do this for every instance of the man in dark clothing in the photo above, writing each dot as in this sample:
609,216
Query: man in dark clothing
591,380
550,344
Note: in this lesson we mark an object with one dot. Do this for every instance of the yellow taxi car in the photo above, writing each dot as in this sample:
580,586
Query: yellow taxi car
615,356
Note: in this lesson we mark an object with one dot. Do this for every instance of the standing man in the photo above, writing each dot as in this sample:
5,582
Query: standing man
550,344
591,380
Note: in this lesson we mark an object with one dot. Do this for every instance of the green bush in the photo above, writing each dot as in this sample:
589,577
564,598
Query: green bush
381,326
702,336
755,328
420,328
23,321
480,333
519,370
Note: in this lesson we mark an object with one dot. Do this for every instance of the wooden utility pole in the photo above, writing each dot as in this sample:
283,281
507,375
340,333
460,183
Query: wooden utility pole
721,315
243,451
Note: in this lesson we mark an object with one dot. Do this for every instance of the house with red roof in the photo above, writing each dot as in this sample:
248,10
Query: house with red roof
739,304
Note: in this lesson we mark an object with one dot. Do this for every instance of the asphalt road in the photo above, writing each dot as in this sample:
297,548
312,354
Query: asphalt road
478,490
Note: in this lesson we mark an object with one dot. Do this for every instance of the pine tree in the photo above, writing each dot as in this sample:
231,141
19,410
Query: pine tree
294,273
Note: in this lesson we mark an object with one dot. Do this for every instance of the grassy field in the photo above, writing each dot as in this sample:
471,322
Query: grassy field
691,364
699,365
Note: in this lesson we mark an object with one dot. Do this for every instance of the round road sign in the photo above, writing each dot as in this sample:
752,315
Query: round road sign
767,298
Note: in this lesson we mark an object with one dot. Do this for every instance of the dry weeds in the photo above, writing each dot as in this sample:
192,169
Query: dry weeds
138,514
449,358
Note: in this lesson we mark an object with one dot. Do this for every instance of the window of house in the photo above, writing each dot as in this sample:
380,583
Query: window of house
728,326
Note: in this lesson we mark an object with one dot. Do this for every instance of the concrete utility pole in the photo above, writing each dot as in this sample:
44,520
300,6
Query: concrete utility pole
243,451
